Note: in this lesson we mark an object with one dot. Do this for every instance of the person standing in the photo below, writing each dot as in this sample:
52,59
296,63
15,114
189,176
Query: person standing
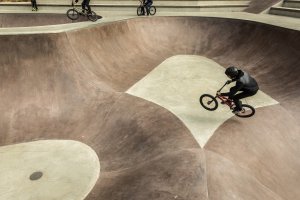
34,5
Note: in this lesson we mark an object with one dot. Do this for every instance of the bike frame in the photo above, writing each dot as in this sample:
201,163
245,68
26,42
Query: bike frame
224,99
246,111
142,5
75,7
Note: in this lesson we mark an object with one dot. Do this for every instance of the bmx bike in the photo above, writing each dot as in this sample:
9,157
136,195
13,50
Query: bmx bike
142,9
209,102
74,13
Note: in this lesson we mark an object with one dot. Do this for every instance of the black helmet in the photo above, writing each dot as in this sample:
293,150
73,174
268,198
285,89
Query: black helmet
232,72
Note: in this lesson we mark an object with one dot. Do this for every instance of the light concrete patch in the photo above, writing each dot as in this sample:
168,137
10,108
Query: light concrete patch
177,84
69,169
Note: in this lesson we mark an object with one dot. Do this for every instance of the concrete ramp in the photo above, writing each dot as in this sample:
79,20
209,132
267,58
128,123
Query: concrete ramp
72,86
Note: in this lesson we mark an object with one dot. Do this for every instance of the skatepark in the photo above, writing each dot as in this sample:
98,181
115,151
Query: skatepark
109,110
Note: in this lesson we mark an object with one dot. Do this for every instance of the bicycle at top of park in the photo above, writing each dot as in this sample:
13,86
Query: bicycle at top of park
142,9
209,102
74,13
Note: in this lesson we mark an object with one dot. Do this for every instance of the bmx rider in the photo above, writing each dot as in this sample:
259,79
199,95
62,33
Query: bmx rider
148,4
85,4
246,84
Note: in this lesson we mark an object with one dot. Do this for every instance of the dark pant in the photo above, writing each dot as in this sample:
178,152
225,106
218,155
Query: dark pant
33,4
86,4
148,4
236,98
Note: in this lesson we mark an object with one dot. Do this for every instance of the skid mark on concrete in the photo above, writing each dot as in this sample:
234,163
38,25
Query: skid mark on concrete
63,169
177,84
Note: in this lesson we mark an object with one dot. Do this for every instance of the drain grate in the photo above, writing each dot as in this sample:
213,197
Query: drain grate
36,175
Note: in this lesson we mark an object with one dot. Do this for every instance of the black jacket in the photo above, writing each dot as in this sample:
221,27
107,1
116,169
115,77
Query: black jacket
244,82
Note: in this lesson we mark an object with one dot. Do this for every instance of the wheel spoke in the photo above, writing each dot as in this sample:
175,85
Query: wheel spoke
247,111
208,102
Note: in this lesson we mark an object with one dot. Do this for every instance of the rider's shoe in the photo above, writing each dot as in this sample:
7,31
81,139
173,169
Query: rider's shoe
236,110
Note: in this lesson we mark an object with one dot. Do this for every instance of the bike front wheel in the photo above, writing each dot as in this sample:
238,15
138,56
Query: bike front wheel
92,16
208,102
140,11
152,10
247,111
72,14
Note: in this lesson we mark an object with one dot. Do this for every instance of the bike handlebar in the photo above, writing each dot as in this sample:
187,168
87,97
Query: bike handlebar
223,86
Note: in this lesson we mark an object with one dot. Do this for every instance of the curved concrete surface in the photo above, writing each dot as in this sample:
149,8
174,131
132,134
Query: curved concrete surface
55,87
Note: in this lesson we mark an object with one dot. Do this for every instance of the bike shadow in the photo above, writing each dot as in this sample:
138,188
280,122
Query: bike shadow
83,18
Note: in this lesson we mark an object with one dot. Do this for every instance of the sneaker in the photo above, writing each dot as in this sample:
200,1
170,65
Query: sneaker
236,110
33,9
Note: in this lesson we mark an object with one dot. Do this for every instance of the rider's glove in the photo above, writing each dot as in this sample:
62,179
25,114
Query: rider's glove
229,81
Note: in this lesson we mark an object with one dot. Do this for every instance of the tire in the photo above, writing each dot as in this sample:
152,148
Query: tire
208,102
140,11
152,10
72,14
247,111
92,16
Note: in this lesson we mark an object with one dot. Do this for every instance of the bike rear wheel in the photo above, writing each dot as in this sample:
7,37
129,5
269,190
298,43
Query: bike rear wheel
208,102
140,11
152,10
92,16
72,14
247,111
